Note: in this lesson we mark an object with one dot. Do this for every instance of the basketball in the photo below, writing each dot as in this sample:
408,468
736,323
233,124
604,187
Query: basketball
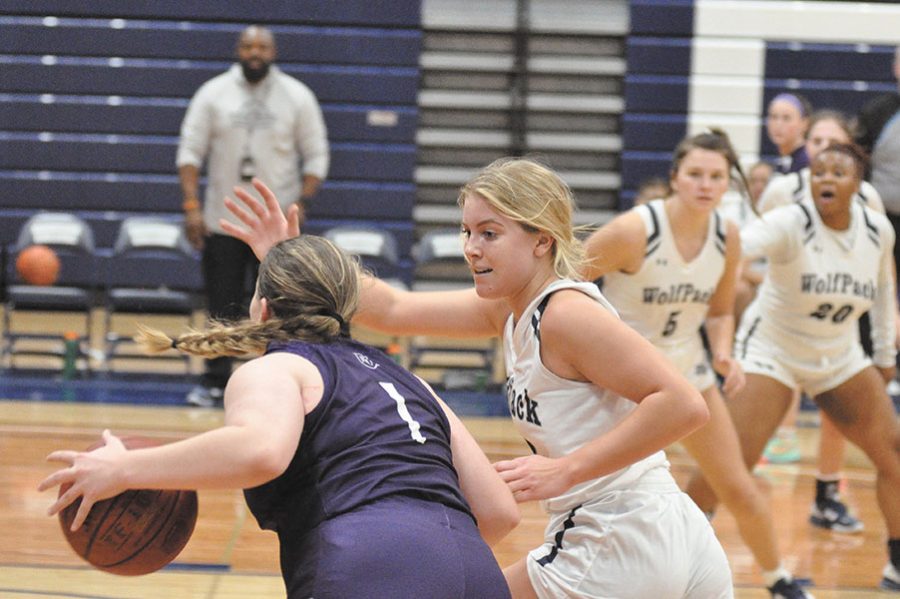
136,532
38,265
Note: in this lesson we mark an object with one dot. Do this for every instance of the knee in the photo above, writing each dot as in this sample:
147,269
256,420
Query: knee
886,456
744,498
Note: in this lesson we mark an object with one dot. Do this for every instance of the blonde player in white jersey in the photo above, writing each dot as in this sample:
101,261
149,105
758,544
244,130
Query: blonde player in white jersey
830,260
597,415
828,511
669,268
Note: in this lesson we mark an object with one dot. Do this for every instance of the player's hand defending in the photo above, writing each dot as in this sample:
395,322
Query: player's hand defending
534,477
731,369
92,474
265,223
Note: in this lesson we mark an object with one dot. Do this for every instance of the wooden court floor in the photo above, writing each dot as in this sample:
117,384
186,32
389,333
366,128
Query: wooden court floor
229,557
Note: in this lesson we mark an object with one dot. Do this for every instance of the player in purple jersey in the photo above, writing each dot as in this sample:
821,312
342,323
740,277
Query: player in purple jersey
374,487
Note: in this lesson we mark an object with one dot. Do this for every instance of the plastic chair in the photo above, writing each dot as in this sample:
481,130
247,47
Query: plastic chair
74,291
440,262
151,272
377,251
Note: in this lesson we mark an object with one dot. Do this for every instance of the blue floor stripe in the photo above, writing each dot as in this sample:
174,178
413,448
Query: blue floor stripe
170,390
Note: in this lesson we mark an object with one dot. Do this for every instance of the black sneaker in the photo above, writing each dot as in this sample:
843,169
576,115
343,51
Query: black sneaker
205,397
832,514
788,589
891,578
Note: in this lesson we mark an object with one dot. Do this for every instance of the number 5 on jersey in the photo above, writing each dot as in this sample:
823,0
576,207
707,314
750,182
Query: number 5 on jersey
671,323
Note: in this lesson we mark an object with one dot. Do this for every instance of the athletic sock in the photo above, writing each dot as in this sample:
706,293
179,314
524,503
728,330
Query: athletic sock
827,486
772,576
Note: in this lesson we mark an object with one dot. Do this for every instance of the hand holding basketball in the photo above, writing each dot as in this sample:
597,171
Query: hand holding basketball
90,477
38,265
129,532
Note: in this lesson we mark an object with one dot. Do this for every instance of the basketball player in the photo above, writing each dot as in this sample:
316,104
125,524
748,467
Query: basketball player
830,260
372,484
596,415
826,127
787,120
828,511
670,267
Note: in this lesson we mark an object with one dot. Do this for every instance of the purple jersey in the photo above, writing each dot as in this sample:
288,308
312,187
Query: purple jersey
377,433
370,505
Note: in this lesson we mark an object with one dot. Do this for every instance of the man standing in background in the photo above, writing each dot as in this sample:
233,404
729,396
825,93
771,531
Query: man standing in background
251,121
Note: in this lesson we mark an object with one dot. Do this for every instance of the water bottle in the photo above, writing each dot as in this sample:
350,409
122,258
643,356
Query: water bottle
70,355
395,351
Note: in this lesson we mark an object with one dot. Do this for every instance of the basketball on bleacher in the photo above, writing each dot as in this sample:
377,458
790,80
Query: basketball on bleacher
38,265
137,531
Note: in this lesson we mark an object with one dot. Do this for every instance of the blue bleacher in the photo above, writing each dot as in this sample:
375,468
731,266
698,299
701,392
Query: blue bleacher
842,62
117,192
670,17
162,116
656,93
180,79
156,154
652,131
658,55
92,97
206,41
373,13
640,166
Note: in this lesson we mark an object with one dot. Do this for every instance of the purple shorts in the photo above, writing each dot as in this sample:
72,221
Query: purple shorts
398,548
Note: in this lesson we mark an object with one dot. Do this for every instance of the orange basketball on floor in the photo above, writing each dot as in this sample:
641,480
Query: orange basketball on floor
135,532
38,265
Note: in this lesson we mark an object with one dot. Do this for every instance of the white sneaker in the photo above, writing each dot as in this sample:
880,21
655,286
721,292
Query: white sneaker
205,397
893,388
891,580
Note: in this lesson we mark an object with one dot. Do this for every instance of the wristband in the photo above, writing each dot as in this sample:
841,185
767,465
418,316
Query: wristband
190,205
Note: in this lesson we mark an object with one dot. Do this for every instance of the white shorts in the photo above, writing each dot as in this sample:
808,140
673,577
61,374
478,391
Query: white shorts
692,362
797,363
650,542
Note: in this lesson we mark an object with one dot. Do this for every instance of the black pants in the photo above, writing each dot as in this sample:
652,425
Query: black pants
229,274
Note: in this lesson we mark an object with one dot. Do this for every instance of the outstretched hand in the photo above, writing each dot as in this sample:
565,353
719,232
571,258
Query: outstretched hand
265,223
93,476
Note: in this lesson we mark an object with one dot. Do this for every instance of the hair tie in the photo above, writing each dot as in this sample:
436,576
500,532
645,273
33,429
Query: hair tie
792,100
344,326
174,344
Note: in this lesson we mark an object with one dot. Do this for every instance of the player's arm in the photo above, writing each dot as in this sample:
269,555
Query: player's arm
777,193
264,417
491,500
720,317
581,340
884,309
454,313
617,246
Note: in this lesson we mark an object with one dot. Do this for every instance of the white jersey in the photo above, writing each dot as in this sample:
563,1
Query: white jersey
820,281
783,190
667,299
735,206
556,416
